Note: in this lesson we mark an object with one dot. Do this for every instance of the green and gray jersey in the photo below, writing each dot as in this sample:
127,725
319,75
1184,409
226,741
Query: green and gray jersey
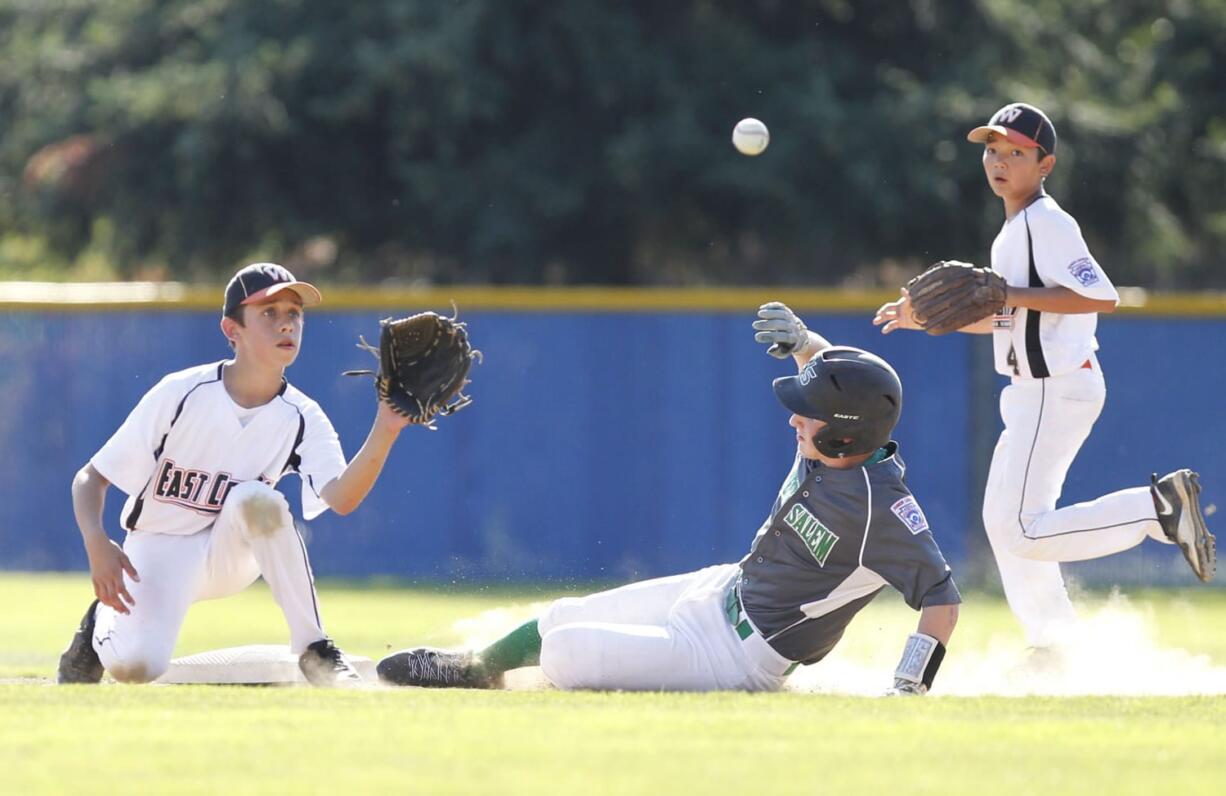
833,540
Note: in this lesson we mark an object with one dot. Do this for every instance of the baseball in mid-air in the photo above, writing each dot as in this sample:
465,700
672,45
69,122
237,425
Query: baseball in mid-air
750,137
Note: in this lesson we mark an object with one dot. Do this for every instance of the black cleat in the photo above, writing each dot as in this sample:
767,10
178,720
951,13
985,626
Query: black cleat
427,667
79,663
1177,499
325,666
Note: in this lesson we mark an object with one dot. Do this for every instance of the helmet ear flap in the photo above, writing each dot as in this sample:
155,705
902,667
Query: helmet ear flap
830,445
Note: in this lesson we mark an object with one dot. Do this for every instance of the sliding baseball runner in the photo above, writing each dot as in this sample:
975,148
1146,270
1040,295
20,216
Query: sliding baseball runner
842,527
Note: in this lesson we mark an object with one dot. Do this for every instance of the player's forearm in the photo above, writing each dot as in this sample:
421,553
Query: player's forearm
816,343
88,500
1056,299
938,621
346,492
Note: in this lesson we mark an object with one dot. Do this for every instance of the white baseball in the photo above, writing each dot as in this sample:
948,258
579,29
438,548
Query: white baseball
750,137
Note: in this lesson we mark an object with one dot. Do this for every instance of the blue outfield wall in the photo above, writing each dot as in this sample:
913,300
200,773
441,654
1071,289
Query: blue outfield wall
607,445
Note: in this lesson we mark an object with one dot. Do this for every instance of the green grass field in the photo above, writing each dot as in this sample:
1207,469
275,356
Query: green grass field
195,739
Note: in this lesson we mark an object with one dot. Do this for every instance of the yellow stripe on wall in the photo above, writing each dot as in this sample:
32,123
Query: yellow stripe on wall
148,296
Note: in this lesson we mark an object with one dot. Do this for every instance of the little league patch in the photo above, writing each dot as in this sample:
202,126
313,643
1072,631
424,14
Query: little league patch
1083,271
911,515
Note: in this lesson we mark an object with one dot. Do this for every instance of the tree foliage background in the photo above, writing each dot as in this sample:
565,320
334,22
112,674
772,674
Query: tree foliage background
588,142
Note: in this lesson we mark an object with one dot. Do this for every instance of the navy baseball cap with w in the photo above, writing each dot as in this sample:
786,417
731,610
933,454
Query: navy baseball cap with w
1021,124
260,281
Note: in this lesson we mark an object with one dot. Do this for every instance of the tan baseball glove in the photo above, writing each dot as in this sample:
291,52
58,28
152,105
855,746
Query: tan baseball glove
951,295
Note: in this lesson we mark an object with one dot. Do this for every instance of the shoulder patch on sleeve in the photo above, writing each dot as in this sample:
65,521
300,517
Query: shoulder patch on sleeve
907,510
1084,271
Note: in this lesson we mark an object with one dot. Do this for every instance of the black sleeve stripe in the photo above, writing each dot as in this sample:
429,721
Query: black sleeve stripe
134,515
1034,345
294,461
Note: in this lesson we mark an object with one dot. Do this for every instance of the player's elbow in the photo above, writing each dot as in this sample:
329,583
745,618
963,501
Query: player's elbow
1107,306
338,499
342,508
340,504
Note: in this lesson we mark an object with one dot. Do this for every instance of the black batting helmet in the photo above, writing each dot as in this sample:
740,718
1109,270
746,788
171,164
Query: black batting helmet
856,394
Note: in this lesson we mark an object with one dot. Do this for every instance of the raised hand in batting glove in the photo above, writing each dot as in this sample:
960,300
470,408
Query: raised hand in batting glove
778,327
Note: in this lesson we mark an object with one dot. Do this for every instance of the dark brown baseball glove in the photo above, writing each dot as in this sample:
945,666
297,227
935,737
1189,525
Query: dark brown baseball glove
424,361
951,295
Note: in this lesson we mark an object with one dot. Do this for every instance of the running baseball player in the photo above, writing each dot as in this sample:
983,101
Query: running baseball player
1044,342
198,458
842,527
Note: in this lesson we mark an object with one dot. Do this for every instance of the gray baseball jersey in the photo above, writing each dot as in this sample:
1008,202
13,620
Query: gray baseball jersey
833,540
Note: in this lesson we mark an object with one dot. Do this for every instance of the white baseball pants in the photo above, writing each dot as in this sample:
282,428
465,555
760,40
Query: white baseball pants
1046,423
254,535
666,634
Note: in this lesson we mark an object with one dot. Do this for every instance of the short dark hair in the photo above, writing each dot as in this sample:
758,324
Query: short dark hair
236,315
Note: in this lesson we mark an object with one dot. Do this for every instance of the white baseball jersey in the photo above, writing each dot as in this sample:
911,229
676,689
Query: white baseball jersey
187,444
1042,247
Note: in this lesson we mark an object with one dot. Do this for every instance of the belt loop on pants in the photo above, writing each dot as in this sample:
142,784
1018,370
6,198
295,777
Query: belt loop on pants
739,620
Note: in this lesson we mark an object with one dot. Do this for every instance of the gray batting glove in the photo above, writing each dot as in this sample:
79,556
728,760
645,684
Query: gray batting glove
778,327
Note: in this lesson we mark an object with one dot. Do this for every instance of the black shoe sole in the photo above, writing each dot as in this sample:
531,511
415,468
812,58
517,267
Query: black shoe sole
1201,550
1206,544
79,664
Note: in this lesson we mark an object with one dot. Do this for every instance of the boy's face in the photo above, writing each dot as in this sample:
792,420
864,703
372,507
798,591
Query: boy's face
1015,172
806,429
271,331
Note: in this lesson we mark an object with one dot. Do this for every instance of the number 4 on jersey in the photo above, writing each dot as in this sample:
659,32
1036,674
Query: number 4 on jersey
1011,361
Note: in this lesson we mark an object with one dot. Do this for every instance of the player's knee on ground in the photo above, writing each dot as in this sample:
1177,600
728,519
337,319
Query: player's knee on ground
262,510
139,665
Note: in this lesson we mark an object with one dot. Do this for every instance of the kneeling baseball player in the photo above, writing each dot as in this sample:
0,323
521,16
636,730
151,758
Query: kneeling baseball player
198,458
842,528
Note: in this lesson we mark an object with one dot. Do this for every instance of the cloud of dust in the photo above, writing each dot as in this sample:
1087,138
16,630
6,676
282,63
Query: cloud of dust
1116,652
